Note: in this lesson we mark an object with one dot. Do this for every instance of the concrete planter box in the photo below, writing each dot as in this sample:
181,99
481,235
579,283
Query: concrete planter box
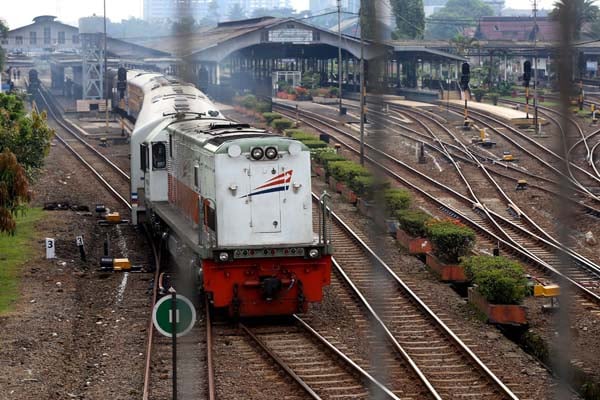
319,170
413,245
391,226
445,272
325,100
506,314
333,184
365,207
349,195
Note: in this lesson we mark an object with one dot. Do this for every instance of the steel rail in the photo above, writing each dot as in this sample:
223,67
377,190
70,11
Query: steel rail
364,374
281,363
516,249
209,352
568,164
414,297
102,180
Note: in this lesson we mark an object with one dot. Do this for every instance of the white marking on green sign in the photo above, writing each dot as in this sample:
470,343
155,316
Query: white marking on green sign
163,319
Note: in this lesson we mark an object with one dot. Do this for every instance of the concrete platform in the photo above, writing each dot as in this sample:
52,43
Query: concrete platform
499,111
329,112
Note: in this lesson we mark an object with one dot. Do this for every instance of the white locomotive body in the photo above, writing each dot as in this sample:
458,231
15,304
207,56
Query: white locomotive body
234,201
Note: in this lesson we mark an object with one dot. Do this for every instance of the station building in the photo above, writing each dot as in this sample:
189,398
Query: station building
256,54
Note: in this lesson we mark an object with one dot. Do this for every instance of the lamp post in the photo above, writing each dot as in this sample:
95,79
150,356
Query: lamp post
339,12
362,92
105,71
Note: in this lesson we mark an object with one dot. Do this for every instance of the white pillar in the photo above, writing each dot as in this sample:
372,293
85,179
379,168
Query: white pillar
218,73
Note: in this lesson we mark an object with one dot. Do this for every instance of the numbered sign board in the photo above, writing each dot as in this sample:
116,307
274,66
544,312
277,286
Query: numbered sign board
50,249
79,240
185,316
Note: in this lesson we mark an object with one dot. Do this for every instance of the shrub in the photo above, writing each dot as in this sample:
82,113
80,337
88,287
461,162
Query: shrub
325,156
346,170
300,135
281,124
263,107
249,101
498,279
396,199
270,116
413,222
314,143
334,91
451,239
478,93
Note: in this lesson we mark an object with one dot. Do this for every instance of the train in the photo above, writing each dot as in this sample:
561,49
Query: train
233,203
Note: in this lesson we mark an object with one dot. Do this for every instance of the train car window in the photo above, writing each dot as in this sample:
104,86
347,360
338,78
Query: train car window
197,176
159,156
143,159
171,146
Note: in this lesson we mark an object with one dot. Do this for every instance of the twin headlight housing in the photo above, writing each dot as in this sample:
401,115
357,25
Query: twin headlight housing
258,153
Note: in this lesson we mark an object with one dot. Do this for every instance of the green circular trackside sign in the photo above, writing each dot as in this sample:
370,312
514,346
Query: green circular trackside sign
162,316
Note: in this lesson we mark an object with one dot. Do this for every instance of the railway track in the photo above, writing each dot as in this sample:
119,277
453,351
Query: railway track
444,363
459,206
113,178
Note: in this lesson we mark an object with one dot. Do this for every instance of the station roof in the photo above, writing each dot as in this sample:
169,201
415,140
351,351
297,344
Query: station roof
423,51
269,37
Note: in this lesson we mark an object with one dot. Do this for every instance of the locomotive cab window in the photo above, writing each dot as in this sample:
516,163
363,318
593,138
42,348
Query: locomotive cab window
143,157
159,156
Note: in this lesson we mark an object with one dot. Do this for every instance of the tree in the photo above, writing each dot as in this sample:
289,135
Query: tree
3,34
27,137
184,25
578,12
14,191
463,44
236,12
368,20
410,19
455,17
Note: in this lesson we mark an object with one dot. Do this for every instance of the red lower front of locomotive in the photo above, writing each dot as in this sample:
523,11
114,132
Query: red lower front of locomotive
266,286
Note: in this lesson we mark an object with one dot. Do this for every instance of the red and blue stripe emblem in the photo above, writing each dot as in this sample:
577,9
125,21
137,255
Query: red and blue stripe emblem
278,183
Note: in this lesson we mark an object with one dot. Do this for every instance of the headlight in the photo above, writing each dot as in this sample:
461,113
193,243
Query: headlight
313,253
224,256
257,153
271,153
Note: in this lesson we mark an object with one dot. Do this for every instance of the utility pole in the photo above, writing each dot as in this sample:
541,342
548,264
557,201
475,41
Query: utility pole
362,88
535,98
339,13
105,71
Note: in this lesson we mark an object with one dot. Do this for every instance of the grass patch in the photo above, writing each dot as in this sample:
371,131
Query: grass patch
14,252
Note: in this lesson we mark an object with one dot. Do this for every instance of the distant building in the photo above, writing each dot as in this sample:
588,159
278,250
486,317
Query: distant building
42,36
516,29
319,6
514,12
199,9
431,6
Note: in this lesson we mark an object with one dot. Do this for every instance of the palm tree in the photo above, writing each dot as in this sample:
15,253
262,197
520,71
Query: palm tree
578,12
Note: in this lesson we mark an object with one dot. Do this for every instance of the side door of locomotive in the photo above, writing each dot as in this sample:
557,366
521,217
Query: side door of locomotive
265,197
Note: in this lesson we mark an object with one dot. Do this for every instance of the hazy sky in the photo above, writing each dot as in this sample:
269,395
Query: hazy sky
20,12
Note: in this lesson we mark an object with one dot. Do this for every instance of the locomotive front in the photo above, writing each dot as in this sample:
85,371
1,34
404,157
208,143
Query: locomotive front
249,195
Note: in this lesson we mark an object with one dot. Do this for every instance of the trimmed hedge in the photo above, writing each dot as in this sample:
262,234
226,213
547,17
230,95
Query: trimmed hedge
249,101
303,136
396,199
345,171
498,279
314,144
263,107
281,124
325,157
451,240
270,116
413,222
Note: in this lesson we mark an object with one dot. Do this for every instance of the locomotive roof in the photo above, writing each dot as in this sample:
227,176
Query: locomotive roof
216,135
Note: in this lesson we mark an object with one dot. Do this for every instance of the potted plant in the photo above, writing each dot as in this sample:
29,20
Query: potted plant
494,97
479,93
412,231
450,241
499,285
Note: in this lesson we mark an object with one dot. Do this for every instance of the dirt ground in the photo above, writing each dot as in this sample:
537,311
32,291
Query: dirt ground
76,332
